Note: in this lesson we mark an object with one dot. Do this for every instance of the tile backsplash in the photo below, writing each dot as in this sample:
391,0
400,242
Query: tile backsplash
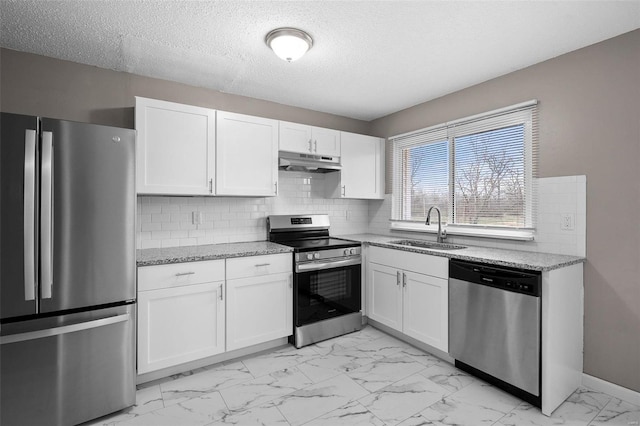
557,196
169,221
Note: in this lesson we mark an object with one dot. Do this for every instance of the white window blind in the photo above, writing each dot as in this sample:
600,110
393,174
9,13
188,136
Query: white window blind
478,170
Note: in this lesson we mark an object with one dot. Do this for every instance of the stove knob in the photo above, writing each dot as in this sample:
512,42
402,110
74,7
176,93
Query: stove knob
309,256
353,251
316,255
346,252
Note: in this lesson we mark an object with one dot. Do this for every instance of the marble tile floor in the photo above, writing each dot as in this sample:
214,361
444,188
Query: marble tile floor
364,378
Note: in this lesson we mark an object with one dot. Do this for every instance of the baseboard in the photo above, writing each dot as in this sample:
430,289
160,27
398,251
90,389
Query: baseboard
612,389
410,340
216,359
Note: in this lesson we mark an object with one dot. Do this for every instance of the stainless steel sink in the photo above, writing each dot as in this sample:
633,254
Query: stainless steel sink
427,245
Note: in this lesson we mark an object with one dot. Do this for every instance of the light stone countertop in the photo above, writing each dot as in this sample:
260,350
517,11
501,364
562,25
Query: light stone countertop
163,256
512,258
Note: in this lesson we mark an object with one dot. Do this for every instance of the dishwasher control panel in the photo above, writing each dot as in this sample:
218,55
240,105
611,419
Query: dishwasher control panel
509,279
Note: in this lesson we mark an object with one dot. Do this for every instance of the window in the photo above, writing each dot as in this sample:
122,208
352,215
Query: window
478,171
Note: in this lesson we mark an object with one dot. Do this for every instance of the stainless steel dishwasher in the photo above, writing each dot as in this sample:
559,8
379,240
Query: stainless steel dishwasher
494,326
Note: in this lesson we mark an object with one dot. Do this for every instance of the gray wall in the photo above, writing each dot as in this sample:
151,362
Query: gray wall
589,125
37,85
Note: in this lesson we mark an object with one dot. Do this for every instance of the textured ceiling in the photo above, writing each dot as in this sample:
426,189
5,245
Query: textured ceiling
369,58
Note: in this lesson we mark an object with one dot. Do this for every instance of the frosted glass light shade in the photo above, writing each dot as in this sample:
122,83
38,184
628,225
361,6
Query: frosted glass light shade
289,44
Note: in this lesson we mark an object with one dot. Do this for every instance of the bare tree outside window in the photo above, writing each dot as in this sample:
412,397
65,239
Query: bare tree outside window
488,178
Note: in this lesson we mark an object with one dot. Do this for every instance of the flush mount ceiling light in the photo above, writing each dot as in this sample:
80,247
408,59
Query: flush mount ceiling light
289,43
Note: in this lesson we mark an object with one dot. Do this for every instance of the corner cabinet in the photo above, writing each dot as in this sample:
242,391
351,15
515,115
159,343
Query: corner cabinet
181,313
362,174
408,292
259,299
304,139
246,155
175,149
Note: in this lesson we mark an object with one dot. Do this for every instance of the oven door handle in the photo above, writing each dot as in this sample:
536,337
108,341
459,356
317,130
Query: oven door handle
319,266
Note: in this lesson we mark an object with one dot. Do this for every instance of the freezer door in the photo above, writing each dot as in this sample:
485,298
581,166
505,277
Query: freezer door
18,180
87,251
67,370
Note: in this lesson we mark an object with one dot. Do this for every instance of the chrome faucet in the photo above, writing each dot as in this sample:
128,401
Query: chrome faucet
442,233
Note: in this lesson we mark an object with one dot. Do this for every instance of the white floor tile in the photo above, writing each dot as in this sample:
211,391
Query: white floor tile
318,399
403,399
363,378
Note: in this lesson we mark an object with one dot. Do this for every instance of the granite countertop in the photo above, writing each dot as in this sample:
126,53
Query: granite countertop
513,258
162,256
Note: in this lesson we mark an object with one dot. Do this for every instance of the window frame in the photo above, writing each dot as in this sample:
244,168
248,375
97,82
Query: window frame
524,113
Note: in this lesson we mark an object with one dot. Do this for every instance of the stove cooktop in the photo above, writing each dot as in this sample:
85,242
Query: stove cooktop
318,244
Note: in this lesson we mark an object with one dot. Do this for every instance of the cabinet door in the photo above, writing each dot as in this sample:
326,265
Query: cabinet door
246,155
175,148
178,325
259,309
295,137
426,309
385,295
362,174
326,141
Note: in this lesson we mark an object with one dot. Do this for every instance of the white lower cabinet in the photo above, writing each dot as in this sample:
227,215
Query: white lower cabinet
194,310
183,321
259,299
409,293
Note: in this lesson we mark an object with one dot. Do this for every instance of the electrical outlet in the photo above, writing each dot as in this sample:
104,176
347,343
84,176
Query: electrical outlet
196,218
567,221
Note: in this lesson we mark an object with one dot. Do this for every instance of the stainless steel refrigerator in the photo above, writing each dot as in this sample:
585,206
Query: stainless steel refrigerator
67,271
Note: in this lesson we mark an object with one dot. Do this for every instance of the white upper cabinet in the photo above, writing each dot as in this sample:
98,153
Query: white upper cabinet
246,155
304,139
175,148
362,174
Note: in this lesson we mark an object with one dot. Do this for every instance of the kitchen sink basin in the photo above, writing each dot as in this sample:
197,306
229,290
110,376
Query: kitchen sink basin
427,245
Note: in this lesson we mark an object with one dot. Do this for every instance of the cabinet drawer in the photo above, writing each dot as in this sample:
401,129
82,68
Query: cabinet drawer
435,266
179,274
254,266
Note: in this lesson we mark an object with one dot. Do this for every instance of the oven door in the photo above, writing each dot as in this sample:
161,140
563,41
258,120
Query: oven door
326,293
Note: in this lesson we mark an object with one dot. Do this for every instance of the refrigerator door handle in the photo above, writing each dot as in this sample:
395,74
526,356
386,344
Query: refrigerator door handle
46,216
66,329
29,214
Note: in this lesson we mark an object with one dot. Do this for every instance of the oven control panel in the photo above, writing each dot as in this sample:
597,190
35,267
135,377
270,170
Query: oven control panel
337,253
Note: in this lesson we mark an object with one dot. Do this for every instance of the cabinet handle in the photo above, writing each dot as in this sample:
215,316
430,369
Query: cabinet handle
221,292
276,184
315,143
180,274
258,265
404,279
310,146
210,186
398,278
344,190
290,281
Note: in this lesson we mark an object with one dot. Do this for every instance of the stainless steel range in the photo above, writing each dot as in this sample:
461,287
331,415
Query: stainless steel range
327,277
